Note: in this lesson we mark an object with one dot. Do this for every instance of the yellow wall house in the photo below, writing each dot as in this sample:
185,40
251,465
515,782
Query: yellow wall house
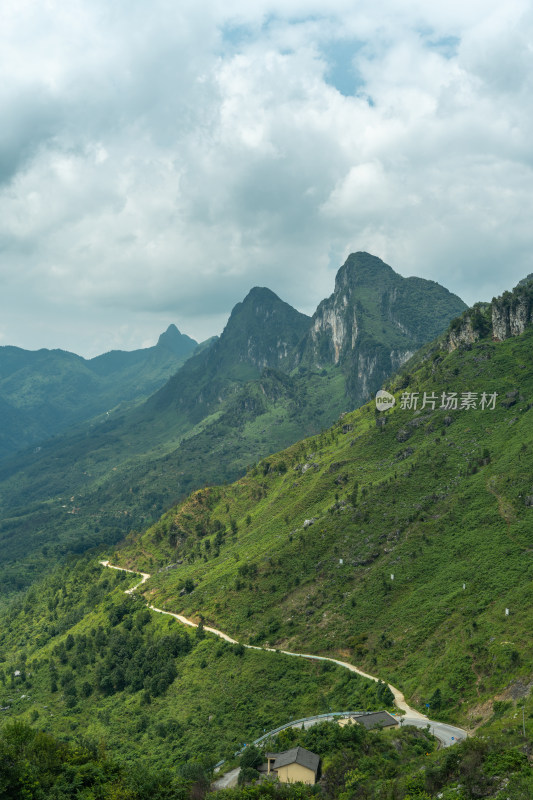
293,766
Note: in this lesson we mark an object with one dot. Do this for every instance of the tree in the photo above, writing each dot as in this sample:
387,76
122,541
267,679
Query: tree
435,701
200,633
252,758
384,694
247,775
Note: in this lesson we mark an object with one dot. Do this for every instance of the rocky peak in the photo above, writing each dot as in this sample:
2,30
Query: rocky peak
262,303
361,269
262,330
334,326
178,343
372,302
374,321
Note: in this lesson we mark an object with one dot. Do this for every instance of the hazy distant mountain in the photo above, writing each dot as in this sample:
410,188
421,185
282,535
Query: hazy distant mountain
44,392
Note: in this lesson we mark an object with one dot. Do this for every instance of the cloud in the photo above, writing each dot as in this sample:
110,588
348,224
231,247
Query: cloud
159,161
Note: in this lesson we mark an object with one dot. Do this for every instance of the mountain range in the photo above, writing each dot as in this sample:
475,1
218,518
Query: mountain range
387,535
396,540
273,376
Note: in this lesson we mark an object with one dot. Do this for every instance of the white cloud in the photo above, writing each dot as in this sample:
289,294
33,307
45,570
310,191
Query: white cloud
160,160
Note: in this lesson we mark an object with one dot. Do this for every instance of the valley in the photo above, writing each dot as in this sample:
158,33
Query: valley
273,377
390,549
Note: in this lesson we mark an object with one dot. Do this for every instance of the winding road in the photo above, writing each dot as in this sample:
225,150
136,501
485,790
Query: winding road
446,734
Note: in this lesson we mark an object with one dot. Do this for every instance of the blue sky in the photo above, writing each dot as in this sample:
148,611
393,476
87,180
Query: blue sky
158,160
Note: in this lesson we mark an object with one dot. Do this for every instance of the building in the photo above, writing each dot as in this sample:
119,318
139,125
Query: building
296,765
377,719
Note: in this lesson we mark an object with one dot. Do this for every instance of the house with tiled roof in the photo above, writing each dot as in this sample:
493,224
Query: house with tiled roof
377,719
295,765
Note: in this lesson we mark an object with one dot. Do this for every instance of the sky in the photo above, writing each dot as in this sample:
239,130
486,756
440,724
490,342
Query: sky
158,160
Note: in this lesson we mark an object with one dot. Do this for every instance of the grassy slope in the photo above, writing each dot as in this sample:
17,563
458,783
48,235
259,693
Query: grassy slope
429,510
67,631
116,479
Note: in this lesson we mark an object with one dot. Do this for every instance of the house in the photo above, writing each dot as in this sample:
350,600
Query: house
292,766
377,719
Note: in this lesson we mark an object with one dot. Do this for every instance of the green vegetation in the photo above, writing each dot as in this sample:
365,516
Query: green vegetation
80,658
268,381
356,765
35,766
284,558
71,496
405,765
45,392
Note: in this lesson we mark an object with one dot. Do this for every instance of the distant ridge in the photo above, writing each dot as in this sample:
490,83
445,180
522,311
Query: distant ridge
47,391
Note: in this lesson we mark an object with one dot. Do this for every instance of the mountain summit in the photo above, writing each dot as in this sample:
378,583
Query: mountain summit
178,343
374,321
263,330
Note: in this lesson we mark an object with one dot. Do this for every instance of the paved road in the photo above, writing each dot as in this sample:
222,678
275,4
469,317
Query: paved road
227,781
447,734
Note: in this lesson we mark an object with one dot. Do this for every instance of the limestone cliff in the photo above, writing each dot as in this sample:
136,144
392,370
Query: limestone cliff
506,316
374,321
511,315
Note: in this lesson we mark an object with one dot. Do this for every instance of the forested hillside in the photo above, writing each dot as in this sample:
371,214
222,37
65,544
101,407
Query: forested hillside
273,377
383,537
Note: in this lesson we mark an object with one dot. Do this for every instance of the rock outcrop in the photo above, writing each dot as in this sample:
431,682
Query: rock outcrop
373,323
506,316
511,316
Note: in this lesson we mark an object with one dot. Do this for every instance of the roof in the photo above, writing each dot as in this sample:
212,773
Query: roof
376,719
298,755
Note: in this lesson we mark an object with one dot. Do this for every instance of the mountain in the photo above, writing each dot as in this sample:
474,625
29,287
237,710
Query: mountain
178,343
256,389
401,538
374,321
262,332
399,541
45,392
